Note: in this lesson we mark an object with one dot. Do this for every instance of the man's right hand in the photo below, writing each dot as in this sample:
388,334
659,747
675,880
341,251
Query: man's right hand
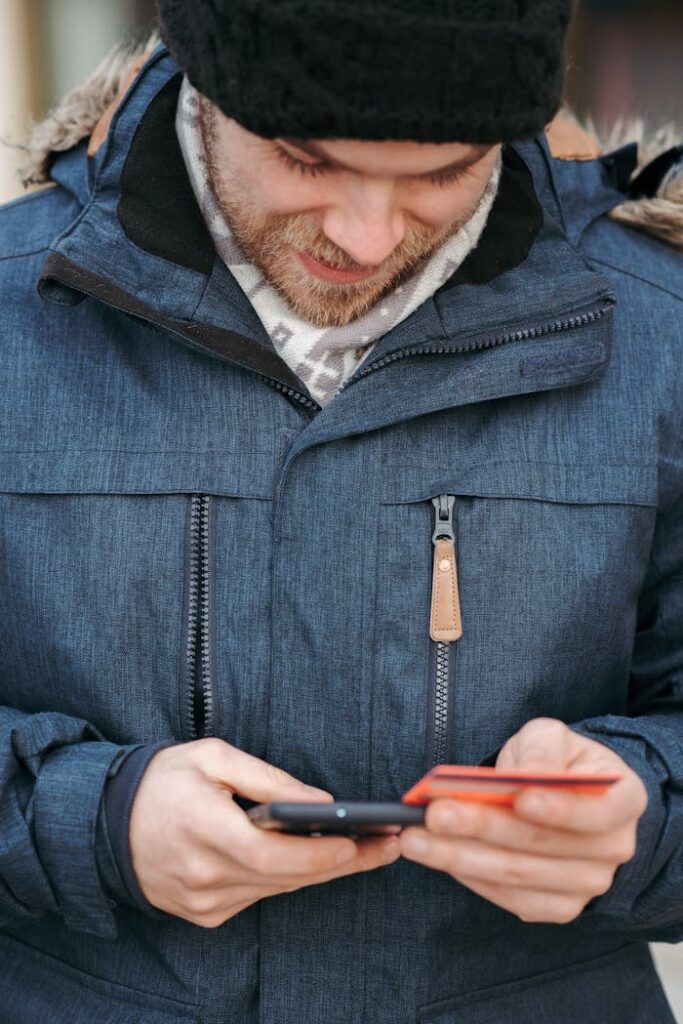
197,855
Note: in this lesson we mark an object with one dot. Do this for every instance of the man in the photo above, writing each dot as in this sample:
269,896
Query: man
310,305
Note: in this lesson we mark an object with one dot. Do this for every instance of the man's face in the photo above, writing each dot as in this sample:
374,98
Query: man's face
337,224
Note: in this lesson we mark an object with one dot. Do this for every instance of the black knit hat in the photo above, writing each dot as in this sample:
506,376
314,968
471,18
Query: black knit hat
427,70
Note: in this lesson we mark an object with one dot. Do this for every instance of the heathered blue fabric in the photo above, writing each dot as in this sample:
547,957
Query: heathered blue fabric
563,449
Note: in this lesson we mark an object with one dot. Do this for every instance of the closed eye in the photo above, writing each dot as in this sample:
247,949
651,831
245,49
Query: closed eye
308,170
314,170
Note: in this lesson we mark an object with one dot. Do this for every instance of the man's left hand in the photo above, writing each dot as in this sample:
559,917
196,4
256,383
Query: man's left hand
549,856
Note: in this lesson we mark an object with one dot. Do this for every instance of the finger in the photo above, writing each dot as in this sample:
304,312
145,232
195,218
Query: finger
543,744
215,912
500,826
371,853
624,802
239,772
530,906
508,869
272,854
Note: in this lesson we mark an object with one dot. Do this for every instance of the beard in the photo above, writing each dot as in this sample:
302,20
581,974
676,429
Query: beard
271,242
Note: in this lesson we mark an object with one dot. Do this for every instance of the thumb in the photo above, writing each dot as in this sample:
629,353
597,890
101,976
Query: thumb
545,744
255,779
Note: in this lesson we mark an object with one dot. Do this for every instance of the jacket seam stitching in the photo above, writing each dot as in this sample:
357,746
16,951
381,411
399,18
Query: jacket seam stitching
29,252
636,277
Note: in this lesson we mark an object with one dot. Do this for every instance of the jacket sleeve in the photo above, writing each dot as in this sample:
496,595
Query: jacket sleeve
53,769
647,895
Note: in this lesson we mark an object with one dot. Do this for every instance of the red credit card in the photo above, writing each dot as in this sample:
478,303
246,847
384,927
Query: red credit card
491,786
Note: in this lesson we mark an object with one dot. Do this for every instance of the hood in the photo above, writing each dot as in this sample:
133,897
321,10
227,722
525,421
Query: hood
86,111
657,189
77,116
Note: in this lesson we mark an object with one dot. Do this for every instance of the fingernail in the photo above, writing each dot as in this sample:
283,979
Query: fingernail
345,855
415,844
390,850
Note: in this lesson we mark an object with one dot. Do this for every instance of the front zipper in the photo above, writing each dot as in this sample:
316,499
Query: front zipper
198,653
444,622
580,319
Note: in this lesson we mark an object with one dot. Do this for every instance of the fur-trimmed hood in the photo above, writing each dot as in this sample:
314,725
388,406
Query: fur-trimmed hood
83,109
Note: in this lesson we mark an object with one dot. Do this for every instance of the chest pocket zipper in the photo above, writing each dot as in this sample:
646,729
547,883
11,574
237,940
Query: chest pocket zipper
445,625
198,652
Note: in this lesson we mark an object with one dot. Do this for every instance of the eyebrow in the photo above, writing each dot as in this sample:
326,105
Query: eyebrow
476,153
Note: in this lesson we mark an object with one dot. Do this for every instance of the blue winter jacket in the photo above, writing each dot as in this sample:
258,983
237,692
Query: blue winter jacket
191,546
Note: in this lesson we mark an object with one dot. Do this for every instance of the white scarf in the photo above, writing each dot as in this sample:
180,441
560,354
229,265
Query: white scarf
323,357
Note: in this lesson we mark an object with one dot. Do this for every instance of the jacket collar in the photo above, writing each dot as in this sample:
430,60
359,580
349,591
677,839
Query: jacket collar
140,244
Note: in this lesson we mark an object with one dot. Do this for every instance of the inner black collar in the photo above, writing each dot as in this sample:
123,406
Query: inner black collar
158,210
159,213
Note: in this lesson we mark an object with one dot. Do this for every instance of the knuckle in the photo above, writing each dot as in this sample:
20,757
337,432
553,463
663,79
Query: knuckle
456,861
475,821
603,883
533,837
209,752
546,727
531,916
289,887
215,747
513,875
319,861
194,875
277,776
214,920
566,912
626,849
594,881
201,905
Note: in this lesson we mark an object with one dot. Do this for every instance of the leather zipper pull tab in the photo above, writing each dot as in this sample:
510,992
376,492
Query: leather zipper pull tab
445,623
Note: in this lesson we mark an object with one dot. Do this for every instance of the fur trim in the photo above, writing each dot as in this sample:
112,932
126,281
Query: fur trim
661,215
75,117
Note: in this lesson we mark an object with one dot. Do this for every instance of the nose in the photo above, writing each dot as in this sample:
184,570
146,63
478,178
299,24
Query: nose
368,226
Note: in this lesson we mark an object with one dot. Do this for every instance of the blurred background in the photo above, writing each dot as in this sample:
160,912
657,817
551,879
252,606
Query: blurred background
625,60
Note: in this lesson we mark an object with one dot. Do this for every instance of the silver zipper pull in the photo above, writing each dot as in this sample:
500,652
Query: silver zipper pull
445,622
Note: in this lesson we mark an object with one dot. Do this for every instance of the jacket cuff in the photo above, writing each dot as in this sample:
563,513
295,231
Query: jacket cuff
631,878
114,855
66,802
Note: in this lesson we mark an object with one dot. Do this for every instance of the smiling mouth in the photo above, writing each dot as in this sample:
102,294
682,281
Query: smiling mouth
328,272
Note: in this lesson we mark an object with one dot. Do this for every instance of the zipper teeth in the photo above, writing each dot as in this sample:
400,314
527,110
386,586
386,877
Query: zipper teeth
441,701
197,648
193,611
204,620
284,388
292,393
523,334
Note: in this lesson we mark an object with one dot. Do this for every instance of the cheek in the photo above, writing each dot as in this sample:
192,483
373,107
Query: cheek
438,207
284,194
442,206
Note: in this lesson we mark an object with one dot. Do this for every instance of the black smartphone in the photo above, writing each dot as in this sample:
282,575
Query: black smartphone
353,819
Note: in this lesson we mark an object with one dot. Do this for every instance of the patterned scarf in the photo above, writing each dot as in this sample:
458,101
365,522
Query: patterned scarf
323,357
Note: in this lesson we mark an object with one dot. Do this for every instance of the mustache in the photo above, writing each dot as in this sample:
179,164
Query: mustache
298,232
